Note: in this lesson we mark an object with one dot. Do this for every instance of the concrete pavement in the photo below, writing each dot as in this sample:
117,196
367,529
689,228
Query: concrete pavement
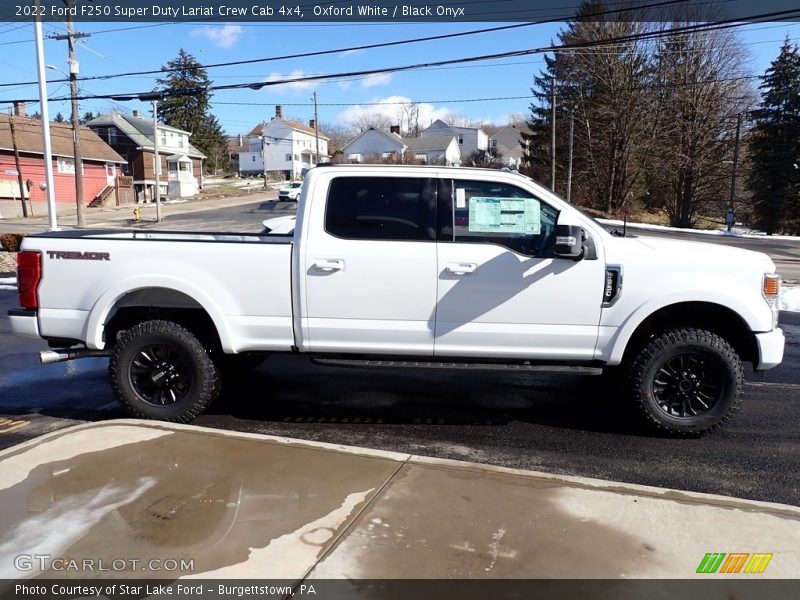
233,505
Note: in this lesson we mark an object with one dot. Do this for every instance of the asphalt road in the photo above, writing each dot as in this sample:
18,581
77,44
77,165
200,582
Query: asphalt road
785,253
555,423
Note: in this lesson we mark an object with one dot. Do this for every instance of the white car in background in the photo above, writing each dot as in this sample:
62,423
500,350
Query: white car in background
290,191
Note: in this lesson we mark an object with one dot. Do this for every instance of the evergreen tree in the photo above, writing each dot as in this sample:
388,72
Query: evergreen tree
186,106
607,91
59,118
775,146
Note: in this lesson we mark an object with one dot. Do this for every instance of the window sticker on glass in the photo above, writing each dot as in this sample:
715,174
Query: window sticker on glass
504,215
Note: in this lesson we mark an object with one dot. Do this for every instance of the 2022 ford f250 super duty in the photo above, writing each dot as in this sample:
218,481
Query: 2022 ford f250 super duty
409,266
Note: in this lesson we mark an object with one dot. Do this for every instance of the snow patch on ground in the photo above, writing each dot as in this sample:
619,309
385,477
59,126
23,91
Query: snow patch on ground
790,298
735,232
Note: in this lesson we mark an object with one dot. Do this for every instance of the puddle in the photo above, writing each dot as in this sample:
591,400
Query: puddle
201,501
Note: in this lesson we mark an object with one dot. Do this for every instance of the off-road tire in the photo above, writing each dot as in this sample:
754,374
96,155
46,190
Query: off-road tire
135,380
661,390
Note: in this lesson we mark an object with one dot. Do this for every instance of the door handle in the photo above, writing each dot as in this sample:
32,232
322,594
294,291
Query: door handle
461,268
329,265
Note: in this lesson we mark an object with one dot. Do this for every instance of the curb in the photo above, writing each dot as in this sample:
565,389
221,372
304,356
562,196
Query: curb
727,502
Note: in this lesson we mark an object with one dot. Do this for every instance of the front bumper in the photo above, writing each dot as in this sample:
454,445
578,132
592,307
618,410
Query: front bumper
770,349
24,323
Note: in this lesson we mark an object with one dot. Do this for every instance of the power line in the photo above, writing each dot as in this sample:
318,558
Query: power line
514,53
393,43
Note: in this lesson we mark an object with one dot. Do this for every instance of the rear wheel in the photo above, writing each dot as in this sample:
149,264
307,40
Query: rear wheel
160,370
686,381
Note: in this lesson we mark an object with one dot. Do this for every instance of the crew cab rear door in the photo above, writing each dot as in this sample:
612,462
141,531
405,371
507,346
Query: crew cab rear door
369,264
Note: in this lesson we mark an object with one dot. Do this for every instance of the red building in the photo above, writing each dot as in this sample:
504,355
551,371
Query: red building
101,164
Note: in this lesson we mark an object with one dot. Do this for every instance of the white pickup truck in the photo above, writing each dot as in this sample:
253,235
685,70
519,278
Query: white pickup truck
428,267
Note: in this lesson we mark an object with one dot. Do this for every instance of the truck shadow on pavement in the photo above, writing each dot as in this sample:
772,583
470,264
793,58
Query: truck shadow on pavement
289,390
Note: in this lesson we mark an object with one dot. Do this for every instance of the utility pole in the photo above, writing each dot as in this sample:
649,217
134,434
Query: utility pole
156,161
19,167
553,138
569,164
264,155
46,142
74,69
316,125
730,217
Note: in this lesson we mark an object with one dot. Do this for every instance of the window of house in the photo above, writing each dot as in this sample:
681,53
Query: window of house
185,166
66,166
289,158
460,139
173,167
494,143
297,157
498,213
112,135
381,208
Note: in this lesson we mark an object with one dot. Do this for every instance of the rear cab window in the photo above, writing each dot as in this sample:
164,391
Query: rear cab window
382,208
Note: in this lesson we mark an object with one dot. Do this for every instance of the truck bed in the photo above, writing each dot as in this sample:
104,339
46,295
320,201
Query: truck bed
242,281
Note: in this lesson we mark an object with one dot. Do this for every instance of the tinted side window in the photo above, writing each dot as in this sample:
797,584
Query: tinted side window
485,211
382,208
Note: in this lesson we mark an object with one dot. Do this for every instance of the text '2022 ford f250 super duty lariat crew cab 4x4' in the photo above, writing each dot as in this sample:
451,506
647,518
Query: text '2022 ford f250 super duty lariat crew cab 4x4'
409,266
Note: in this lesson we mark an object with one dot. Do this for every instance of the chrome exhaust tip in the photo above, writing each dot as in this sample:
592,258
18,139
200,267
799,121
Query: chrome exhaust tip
53,356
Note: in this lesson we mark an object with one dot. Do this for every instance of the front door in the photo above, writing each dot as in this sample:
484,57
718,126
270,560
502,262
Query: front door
502,292
371,276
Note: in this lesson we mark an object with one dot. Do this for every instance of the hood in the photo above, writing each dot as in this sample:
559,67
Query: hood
284,224
705,253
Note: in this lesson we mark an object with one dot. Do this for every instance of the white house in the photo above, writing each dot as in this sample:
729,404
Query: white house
442,150
287,147
373,143
508,142
470,139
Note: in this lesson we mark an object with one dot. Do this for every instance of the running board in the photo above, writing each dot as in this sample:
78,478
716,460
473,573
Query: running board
414,364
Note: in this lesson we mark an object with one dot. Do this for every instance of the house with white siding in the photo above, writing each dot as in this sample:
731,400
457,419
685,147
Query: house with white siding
470,139
282,146
374,145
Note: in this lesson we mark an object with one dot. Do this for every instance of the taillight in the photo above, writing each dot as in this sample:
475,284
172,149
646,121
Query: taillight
29,274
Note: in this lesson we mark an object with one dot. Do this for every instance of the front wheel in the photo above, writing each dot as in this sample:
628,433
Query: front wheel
686,381
160,370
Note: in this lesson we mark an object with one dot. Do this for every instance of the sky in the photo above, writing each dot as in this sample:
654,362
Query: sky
131,46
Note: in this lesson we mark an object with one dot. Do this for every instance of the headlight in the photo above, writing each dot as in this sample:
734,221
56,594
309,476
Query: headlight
771,290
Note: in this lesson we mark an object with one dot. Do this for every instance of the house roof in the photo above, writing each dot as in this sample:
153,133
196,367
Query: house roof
437,143
140,131
392,137
439,124
28,133
296,125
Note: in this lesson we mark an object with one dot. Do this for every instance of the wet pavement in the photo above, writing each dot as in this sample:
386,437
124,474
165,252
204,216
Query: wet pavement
231,505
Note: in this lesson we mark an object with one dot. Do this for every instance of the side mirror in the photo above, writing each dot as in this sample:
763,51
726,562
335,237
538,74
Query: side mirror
569,241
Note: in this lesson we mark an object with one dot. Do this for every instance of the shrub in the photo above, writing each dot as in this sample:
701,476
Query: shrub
11,242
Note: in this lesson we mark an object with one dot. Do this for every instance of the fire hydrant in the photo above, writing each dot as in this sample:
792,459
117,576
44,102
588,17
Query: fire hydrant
137,214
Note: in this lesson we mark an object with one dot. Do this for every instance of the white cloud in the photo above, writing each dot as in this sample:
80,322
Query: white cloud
395,108
344,85
223,37
295,86
376,80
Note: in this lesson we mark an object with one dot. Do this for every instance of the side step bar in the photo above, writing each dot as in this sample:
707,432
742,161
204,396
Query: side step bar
414,364
53,356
